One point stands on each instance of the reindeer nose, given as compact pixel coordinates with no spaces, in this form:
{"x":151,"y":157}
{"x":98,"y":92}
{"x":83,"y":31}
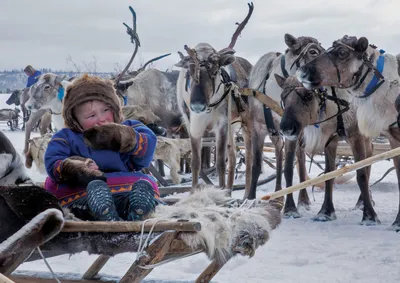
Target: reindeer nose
{"x":304,"y":72}
{"x":289,"y":128}
{"x":197,"y":107}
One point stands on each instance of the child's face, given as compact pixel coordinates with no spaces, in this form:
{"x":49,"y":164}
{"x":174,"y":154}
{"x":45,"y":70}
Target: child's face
{"x":93,"y":113}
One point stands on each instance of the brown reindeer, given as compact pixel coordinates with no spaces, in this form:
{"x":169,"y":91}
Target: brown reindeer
{"x":372,"y":79}
{"x":300,"y":51}
{"x":204,"y":91}
{"x":323,"y":118}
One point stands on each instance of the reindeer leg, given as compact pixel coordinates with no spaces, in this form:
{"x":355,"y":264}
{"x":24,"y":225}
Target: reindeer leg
{"x":357,"y":145}
{"x":174,"y":168}
{"x":196,"y":160}
{"x":257,"y":150}
{"x":304,"y":200}
{"x":278,"y":144}
{"x":34,"y":117}
{"x":327,"y":212}
{"x":290,"y":209}
{"x":221,"y":142}
{"x":367,"y":153}
{"x":394,"y":139}
{"x":248,"y":159}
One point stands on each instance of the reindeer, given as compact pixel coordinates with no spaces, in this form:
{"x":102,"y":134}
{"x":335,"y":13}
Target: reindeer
{"x":20,"y":97}
{"x":324,"y":117}
{"x":300,"y":50}
{"x":204,"y":94}
{"x":372,"y":79}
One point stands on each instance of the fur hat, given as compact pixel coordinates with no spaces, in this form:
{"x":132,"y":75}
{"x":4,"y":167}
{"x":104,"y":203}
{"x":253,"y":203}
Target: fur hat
{"x":89,"y":88}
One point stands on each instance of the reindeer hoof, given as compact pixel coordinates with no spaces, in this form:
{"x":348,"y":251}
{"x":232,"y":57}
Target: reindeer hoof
{"x":395,"y":227}
{"x":369,"y":222}
{"x":303,"y":205}
{"x":320,"y":217}
{"x":292,"y":214}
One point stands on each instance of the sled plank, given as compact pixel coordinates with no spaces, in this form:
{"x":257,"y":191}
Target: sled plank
{"x":211,"y":270}
{"x":155,"y":253}
{"x":4,"y":279}
{"x":96,"y":266}
{"x":128,"y":226}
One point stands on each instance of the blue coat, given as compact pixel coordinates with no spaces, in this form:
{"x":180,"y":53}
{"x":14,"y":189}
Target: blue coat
{"x":33,"y":79}
{"x":120,"y":167}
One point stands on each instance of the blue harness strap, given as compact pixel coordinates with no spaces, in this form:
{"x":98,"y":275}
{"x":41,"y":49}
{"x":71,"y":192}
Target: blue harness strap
{"x":60,"y":94}
{"x":125,"y":97}
{"x":374,"y":84}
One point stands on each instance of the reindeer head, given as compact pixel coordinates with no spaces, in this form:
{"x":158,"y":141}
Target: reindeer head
{"x":301,"y":50}
{"x":44,"y":91}
{"x":341,"y":65}
{"x":203,"y":64}
{"x":14,"y":98}
{"x":301,"y":106}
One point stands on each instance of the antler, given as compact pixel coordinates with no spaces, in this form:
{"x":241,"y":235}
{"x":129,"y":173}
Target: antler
{"x":193,"y":55}
{"x":134,"y":39}
{"x":241,"y":26}
{"x":150,"y":61}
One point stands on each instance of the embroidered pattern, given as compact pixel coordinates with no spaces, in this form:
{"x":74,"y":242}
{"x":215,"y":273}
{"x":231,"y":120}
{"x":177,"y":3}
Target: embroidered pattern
{"x":141,"y":146}
{"x":57,"y":169}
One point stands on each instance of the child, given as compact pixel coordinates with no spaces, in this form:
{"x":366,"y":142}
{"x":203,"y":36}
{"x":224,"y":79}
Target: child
{"x":93,"y":163}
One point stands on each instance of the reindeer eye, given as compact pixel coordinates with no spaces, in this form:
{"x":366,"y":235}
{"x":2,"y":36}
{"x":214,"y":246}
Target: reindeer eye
{"x":308,"y":95}
{"x":313,"y":52}
{"x":46,"y":87}
{"x":343,"y":53}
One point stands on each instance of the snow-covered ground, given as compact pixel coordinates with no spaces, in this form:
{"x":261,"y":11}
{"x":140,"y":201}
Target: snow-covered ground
{"x":300,"y":250}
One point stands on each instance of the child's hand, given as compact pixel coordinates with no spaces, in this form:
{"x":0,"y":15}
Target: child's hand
{"x":91,"y":164}
{"x":111,"y":136}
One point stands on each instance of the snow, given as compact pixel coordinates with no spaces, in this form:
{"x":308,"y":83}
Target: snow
{"x":300,"y":250}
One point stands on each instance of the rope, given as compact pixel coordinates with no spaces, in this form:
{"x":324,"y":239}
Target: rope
{"x":48,"y":265}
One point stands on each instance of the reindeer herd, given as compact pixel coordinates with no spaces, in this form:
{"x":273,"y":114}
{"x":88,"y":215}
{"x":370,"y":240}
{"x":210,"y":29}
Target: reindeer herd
{"x":346,"y":92}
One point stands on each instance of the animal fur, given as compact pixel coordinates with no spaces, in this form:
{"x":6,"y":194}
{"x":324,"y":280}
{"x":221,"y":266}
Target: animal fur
{"x":140,"y":113}
{"x":75,"y":171}
{"x":12,"y":170}
{"x":111,"y":136}
{"x":36,"y":150}
{"x":29,"y":216}
{"x":226,"y":229}
{"x":171,"y":151}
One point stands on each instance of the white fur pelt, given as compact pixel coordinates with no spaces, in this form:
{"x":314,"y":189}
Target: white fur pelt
{"x":226,"y":229}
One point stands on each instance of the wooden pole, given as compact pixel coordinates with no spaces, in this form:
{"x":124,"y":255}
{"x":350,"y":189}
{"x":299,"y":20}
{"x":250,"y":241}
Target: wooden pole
{"x":127,"y":226}
{"x":263,"y":98}
{"x":348,"y":168}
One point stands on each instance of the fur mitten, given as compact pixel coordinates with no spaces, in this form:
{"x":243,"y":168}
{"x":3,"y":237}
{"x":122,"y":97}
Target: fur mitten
{"x":76,"y":172}
{"x":112,"y":136}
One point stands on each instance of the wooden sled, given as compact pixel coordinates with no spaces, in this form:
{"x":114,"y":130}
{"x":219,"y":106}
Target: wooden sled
{"x":165,"y":246}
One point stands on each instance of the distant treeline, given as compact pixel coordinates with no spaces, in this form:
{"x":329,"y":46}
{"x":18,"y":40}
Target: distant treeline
{"x":13,"y":79}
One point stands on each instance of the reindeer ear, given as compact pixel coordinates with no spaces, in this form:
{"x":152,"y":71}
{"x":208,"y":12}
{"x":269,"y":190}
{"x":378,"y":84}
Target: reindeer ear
{"x":46,"y":77}
{"x":361,"y":45}
{"x":280,"y":80}
{"x":290,"y":41}
{"x":226,"y":56}
{"x":183,"y":63}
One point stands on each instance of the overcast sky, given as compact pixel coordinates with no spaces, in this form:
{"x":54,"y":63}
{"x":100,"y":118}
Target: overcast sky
{"x":45,"y":33}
